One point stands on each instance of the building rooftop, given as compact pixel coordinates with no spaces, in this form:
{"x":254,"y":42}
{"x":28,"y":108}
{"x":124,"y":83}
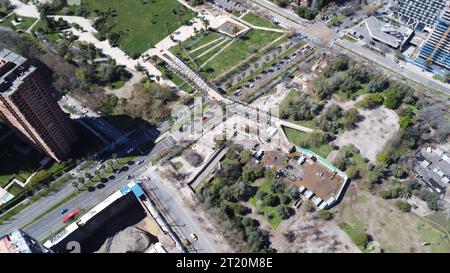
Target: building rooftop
{"x":433,"y":166}
{"x":387,"y":33}
{"x":13,"y":69}
{"x":320,"y":180}
{"x":19,"y":242}
{"x":418,"y":12}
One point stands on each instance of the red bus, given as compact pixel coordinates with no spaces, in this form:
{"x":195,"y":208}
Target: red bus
{"x":70,"y":215}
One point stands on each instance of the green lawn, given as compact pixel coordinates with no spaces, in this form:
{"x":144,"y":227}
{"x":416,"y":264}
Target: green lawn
{"x":117,"y":85}
{"x":295,"y":137}
{"x":194,"y":43}
{"x":350,"y":38}
{"x":356,"y":158}
{"x":24,"y":25}
{"x":145,"y":22}
{"x":352,"y":232}
{"x":437,"y":239}
{"x":241,"y":48}
{"x":336,"y":21}
{"x":200,"y":40}
{"x":439,"y":78}
{"x":259,"y":21}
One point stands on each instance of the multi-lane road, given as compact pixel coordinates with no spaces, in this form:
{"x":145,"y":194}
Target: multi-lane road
{"x":291,"y":19}
{"x":181,"y":216}
{"x":52,"y":220}
{"x":392,"y":66}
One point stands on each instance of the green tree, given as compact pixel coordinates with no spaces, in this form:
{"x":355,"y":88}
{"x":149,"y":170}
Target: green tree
{"x":87,"y":175}
{"x":40,"y":177}
{"x":271,"y":200}
{"x":351,"y":117}
{"x":398,"y":170}
{"x":81,"y":181}
{"x":75,"y":185}
{"x":285,"y":212}
{"x":245,"y":156}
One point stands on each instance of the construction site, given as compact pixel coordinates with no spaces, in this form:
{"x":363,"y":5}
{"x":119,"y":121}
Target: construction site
{"x":128,"y":221}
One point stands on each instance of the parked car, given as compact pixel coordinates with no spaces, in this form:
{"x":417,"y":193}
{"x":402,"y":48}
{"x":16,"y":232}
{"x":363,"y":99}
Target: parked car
{"x":130,"y":176}
{"x":194,"y":236}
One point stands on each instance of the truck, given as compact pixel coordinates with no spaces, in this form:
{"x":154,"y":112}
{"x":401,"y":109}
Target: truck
{"x":70,"y":215}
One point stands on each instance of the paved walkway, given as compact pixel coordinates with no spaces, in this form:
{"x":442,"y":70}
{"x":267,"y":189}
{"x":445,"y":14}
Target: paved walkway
{"x":126,"y":90}
{"x":25,"y":10}
{"x":121,"y":58}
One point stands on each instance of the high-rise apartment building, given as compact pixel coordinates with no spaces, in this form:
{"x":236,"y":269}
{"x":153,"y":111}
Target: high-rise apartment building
{"x":437,"y":46}
{"x":418,"y":13}
{"x":28,"y":106}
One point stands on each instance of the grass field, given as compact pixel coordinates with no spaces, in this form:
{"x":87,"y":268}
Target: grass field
{"x":242,"y":48}
{"x":258,"y":21}
{"x":145,"y":22}
{"x":380,"y":219}
{"x":192,"y":48}
{"x":194,"y":43}
{"x":296,"y":137}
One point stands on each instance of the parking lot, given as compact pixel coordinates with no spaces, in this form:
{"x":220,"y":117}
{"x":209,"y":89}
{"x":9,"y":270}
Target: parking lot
{"x":268,"y":74}
{"x":228,"y":6}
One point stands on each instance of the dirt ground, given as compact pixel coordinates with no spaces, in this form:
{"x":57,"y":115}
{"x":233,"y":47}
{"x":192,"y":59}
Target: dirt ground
{"x":377,"y":128}
{"x":312,"y":235}
{"x":322,"y":32}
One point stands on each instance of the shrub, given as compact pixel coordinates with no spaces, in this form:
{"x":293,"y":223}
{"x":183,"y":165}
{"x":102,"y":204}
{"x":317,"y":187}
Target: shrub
{"x":385,"y":194}
{"x":403,"y":205}
{"x":245,"y":156}
{"x":361,"y":239}
{"x":352,"y":172}
{"x":325,"y":215}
